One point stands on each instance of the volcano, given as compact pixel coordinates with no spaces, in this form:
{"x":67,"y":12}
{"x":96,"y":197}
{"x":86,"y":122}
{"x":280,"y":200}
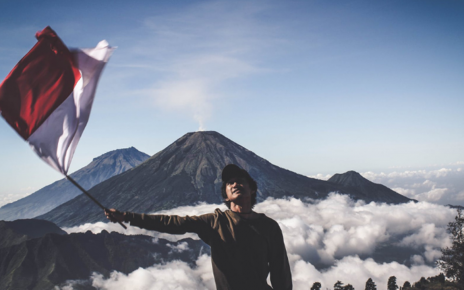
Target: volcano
{"x":188,"y":172}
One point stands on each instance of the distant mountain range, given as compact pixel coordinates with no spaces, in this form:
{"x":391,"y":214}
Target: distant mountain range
{"x":59,"y":192}
{"x":16,"y":232}
{"x":36,"y":254}
{"x":188,"y":171}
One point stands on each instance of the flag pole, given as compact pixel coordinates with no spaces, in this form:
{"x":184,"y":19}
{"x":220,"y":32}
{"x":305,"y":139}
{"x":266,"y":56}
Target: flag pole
{"x":91,"y":197}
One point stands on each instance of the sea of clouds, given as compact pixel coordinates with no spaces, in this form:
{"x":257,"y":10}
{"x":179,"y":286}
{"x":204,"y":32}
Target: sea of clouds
{"x":326,"y":240}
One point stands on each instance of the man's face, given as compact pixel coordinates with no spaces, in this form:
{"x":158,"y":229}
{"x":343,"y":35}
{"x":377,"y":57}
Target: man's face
{"x":237,"y":188}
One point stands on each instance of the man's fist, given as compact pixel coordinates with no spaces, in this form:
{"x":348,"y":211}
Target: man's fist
{"x":114,"y":215}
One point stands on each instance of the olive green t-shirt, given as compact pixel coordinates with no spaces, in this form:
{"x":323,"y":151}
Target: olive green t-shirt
{"x":243,"y":251}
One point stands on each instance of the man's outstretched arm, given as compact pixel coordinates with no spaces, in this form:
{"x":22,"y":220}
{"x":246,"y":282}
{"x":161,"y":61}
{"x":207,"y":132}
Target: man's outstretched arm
{"x":171,"y":224}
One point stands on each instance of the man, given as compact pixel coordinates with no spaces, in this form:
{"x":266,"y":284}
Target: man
{"x":245,"y":246}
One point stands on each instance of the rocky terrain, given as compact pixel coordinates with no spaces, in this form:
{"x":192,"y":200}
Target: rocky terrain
{"x":38,"y":255}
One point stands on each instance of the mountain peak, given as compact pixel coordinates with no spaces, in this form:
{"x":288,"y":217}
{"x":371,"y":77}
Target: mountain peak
{"x":209,"y":132}
{"x":101,"y":168}
{"x":352,"y":172}
{"x":199,"y":137}
{"x":349,"y":178}
{"x":131,"y":151}
{"x":370,"y":190}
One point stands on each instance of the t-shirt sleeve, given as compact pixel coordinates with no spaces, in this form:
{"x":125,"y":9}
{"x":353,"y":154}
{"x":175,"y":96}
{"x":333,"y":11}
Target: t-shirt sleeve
{"x":281,"y":277}
{"x":171,"y":224}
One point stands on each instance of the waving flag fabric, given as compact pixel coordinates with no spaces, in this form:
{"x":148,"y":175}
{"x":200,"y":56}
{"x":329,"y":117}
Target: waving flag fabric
{"x":48,"y":96}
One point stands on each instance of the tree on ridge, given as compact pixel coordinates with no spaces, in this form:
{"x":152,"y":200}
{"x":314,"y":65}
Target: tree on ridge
{"x":452,"y":260}
{"x":370,"y":285}
{"x":316,"y":286}
{"x":338,"y":285}
{"x":348,"y":287}
{"x":392,"y":283}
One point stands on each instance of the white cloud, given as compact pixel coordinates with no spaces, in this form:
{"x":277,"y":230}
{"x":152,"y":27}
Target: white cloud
{"x":179,"y":247}
{"x":185,"y":96}
{"x":325,"y":242}
{"x":172,"y":275}
{"x":200,"y":208}
{"x":408,"y":174}
{"x":7,"y":198}
{"x":460,"y":196}
{"x":428,"y":235}
{"x":321,"y":176}
{"x":336,"y":227}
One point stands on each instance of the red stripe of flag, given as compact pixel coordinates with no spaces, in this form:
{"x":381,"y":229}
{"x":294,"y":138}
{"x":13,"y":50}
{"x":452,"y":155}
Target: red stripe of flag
{"x":38,"y":84}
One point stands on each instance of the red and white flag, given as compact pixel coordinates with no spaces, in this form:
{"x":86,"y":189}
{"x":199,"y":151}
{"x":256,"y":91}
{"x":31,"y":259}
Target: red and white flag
{"x":48,"y":95}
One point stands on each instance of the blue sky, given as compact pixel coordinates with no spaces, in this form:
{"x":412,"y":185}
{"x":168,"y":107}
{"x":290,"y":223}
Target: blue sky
{"x":312,"y":86}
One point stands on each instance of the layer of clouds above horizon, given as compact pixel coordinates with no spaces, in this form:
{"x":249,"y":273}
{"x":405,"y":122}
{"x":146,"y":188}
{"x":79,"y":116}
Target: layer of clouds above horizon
{"x":327,"y":240}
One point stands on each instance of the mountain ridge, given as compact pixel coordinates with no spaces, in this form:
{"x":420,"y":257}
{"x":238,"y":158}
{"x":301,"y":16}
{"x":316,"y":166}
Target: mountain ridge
{"x":353,"y":179}
{"x":186,"y":172}
{"x":50,"y":260}
{"x":18,"y":231}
